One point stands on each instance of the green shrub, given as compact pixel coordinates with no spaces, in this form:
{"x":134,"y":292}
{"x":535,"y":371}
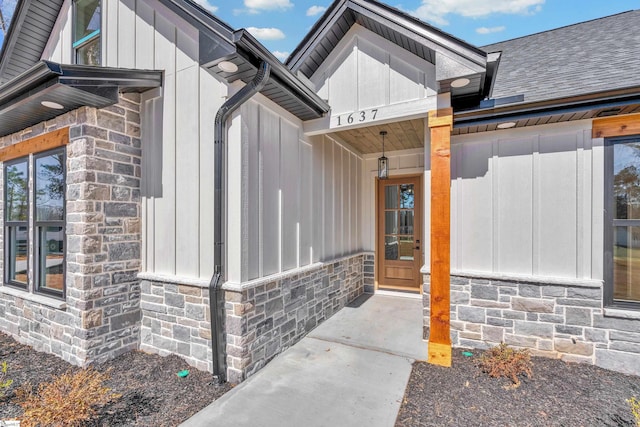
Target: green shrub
{"x":635,"y":409}
{"x":504,"y":361}
{"x":5,"y":382}
{"x":68,"y":400}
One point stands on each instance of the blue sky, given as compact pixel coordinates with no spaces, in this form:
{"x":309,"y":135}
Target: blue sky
{"x":281,"y":24}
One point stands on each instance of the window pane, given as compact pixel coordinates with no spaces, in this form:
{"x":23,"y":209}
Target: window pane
{"x":17,"y":254}
{"x":626,"y":264}
{"x":406,"y":222}
{"x":51,"y":258}
{"x":406,"y":248}
{"x":406,"y":196}
{"x":391,"y":248}
{"x":89,"y":53}
{"x":87,"y":18}
{"x":626,"y":181}
{"x":391,"y":197}
{"x":16,"y":178}
{"x":391,"y":222}
{"x":50,"y":187}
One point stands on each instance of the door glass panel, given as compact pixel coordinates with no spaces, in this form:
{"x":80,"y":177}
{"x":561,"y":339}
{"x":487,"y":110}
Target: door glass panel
{"x":406,"y":222}
{"x":391,"y":197}
{"x":626,"y":264}
{"x":390,"y":222}
{"x":406,"y":196}
{"x":406,"y":248}
{"x":391,"y":248}
{"x":626,"y":180}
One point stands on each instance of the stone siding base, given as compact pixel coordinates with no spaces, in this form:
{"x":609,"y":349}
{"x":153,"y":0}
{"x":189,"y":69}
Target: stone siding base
{"x":176,"y":320}
{"x":270,"y":315}
{"x":564,"y":321}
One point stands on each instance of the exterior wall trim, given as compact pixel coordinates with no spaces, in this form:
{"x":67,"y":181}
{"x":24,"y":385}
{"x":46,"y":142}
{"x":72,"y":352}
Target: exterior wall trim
{"x":33,"y":297}
{"x":174,"y":279}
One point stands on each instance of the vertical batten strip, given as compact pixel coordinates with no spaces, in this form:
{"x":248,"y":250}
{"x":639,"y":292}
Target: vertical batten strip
{"x":441,"y":125}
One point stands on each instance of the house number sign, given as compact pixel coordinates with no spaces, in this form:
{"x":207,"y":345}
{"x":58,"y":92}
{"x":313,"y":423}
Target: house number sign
{"x":357,"y":117}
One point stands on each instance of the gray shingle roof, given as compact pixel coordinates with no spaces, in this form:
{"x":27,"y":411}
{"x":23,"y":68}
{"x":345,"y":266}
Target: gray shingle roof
{"x":589,"y":57}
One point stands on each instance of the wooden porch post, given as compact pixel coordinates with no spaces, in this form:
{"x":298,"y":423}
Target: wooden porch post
{"x":441,"y":124}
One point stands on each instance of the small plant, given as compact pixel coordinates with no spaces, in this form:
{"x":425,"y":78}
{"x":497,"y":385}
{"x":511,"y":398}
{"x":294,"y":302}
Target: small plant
{"x":5,"y":382}
{"x":68,"y":400}
{"x":635,"y":409}
{"x":504,"y":361}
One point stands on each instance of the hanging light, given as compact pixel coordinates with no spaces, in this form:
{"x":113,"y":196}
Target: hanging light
{"x":383,"y":162}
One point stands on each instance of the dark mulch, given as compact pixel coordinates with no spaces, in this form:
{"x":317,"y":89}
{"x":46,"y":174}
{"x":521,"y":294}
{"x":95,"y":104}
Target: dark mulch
{"x":152,"y":393}
{"x":559,"y":394}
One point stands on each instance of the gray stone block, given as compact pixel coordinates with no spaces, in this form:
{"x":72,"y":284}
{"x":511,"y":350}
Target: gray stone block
{"x":532,"y":305}
{"x":624,"y":336}
{"x":569,"y":330}
{"x":125,"y":320}
{"x":174,"y":300}
{"x":584,"y":293}
{"x":493,"y":334}
{"x":628,"y":347}
{"x":529,"y":291}
{"x":520,"y":341}
{"x":471,"y":314}
{"x":628,"y":363}
{"x":614,"y":323}
{"x":554,"y":291}
{"x":578,"y":316}
{"x":542,"y":330}
{"x":181,"y":333}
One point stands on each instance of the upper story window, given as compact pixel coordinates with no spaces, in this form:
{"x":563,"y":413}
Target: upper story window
{"x":86,"y":33}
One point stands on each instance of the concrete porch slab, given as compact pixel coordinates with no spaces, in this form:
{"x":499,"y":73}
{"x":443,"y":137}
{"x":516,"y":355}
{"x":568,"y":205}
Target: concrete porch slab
{"x":348,"y":372}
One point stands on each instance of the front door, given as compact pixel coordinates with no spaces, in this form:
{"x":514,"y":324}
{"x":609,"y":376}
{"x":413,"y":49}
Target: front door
{"x":399,"y":235}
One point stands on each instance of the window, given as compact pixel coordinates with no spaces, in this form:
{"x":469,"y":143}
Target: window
{"x":16,"y":202}
{"x":86,"y":34}
{"x":622,"y":236}
{"x":47,"y":217}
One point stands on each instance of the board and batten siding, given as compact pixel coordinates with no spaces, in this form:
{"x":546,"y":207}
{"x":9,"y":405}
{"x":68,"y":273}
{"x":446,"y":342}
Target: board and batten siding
{"x":178,"y":222}
{"x":526,"y":202}
{"x":366,"y":72}
{"x":299,"y":196}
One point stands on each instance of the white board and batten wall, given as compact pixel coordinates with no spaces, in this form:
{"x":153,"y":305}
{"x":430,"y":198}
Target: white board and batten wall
{"x":144,"y":34}
{"x":299,"y":196}
{"x":528,"y":202}
{"x":369,"y":80}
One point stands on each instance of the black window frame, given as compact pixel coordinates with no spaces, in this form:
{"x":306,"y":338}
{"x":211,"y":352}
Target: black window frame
{"x":37,"y":267}
{"x":75,"y":45}
{"x":7,"y":224}
{"x":609,"y":218}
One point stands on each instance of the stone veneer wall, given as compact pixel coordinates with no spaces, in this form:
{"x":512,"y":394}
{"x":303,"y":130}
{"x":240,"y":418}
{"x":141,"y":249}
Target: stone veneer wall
{"x":176,"y":320}
{"x":269,"y":315}
{"x":99,"y":318}
{"x":564,"y":320}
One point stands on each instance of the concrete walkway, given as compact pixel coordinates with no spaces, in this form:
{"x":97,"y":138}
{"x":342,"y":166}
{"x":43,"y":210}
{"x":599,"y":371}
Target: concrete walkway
{"x":350,"y":371}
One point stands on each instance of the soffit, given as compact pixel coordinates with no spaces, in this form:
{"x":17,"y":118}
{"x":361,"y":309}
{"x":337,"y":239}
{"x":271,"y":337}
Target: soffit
{"x":400,"y":136}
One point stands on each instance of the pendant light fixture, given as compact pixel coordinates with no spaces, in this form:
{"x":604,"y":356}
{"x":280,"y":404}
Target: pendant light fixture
{"x":383,"y":162}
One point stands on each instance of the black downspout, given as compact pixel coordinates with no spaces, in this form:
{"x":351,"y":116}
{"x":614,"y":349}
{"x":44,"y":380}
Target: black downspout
{"x":216,"y":296}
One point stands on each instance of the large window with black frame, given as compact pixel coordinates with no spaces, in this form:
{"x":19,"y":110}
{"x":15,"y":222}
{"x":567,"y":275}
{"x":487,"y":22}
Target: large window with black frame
{"x":47,"y":216}
{"x":622,"y":239}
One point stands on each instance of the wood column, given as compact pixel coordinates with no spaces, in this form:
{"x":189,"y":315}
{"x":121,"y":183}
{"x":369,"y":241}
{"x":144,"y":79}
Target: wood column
{"x":441,"y":124}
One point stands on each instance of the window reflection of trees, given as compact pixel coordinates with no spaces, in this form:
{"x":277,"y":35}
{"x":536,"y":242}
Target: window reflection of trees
{"x":50,"y":187}
{"x":17,"y":192}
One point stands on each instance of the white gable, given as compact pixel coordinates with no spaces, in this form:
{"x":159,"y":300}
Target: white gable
{"x":367,"y":72}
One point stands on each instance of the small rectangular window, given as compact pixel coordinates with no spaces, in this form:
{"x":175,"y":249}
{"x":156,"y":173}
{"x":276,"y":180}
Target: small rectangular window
{"x":16,"y":202}
{"x":49,"y":222}
{"x":86,"y":34}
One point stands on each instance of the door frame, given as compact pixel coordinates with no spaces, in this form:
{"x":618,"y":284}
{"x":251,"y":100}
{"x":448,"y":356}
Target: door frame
{"x":379,"y":235}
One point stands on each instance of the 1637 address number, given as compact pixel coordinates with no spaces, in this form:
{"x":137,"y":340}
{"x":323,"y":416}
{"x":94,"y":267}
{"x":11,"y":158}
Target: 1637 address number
{"x":357,"y":117}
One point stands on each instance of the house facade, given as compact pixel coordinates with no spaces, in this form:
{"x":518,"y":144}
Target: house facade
{"x":170,"y":186}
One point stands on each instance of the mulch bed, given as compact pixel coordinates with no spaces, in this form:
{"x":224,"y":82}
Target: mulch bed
{"x":152,"y":393}
{"x":559,"y":394}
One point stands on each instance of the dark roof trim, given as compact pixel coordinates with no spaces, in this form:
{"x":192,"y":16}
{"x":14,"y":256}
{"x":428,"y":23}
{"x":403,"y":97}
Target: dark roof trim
{"x":72,"y":86}
{"x":244,"y":40}
{"x":395,"y":19}
{"x":607,"y":99}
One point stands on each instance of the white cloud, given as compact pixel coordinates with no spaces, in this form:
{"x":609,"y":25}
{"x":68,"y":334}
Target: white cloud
{"x":205,"y":3}
{"x":255,"y":6}
{"x":315,"y":10}
{"x":436,"y":10}
{"x":485,"y":30}
{"x":266,"y":33}
{"x":282,"y":56}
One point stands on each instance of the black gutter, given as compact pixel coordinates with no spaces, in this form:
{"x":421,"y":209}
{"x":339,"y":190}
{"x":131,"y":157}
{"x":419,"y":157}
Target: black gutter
{"x":216,"y":297}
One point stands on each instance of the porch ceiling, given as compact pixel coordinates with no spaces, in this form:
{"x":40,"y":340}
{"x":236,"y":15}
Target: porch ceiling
{"x":400,"y":136}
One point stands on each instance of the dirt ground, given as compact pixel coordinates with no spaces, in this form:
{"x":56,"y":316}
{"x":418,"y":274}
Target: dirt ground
{"x":559,"y":394}
{"x":152,"y":393}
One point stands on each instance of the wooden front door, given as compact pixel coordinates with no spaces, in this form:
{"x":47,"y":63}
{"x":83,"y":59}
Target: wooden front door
{"x":399,"y":234}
